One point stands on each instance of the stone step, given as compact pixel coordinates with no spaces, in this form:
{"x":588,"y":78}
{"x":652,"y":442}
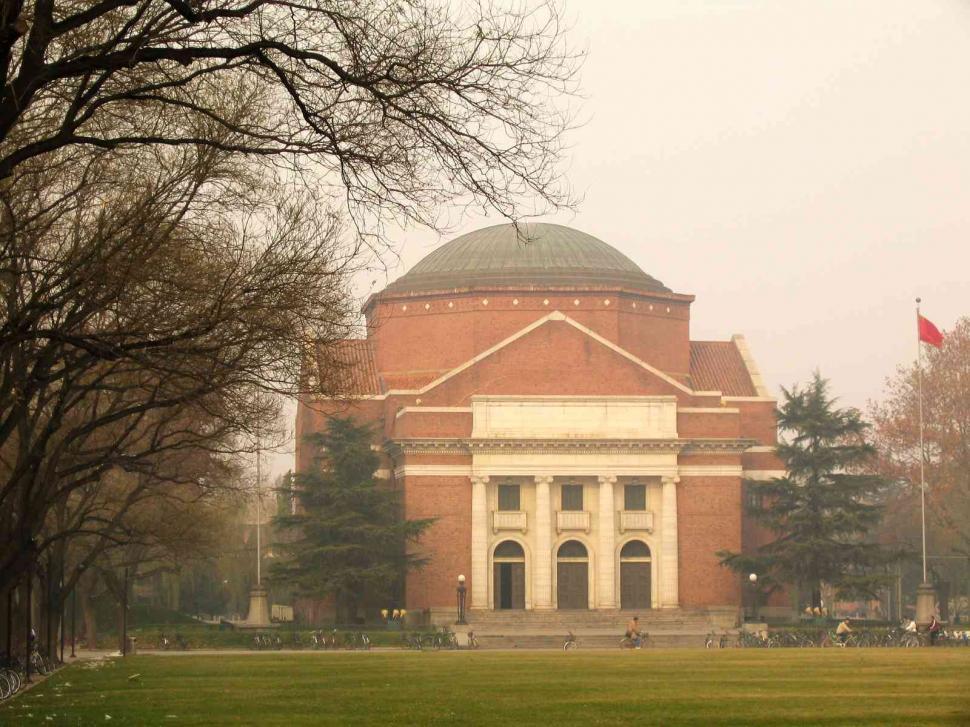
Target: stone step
{"x":564,"y":619}
{"x":602,"y":641}
{"x":590,"y":613}
{"x":578,"y":619}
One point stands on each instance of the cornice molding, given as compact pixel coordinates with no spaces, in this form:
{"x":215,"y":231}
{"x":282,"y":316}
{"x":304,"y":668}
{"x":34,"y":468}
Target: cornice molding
{"x":468,"y":446}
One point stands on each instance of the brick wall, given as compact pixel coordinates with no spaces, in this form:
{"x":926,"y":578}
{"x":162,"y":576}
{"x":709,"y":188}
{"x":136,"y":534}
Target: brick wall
{"x":453,"y":328}
{"x":447,"y":541}
{"x":552,"y":359}
{"x":709,"y":519}
{"x":719,"y":425}
{"x":312,"y":417}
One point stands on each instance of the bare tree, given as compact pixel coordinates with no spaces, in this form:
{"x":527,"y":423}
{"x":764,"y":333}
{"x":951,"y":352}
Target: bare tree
{"x":146,"y":300}
{"x":946,"y":456}
{"x":406,"y":102}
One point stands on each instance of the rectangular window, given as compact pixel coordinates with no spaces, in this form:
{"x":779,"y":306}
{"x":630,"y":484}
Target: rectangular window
{"x":508,"y":497}
{"x":572,"y":497}
{"x":635,"y":497}
{"x":753,"y":498}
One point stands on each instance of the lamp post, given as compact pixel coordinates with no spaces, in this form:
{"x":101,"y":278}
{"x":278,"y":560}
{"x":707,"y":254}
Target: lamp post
{"x":753,"y":579}
{"x":461,"y":600}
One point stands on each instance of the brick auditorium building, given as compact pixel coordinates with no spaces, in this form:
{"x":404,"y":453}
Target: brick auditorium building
{"x":545,"y":402}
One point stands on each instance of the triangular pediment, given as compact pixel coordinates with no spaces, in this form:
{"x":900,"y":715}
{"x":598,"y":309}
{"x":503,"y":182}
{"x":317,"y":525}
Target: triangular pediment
{"x":553,"y":355}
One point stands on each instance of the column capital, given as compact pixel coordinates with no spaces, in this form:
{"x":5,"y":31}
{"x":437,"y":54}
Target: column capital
{"x":543,"y":479}
{"x":479,"y":479}
{"x":670,"y":479}
{"x":607,"y":479}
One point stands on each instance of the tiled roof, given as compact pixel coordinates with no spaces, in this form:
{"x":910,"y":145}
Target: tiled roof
{"x":718,"y":366}
{"x":350,"y":365}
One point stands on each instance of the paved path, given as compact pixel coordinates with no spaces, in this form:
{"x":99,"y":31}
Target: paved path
{"x":376,"y":649}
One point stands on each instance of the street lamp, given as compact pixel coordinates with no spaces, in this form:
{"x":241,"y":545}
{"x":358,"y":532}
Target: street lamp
{"x":753,"y":579}
{"x":461,"y":600}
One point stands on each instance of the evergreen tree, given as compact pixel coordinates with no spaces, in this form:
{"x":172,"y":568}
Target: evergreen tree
{"x":825,"y":513}
{"x":348,"y":537}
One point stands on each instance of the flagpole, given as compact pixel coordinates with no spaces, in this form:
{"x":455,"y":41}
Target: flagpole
{"x":922,"y":450}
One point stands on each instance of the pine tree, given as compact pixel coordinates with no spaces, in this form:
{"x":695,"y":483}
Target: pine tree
{"x":825,"y":513}
{"x":348,"y":537}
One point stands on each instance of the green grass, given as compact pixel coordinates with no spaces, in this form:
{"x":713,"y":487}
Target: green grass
{"x":753,"y":687}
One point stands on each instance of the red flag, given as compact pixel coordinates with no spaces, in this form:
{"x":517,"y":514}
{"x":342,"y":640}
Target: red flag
{"x":928,"y":333}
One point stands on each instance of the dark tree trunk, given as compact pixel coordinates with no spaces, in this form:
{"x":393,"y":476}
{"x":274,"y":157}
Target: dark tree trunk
{"x":90,"y":620}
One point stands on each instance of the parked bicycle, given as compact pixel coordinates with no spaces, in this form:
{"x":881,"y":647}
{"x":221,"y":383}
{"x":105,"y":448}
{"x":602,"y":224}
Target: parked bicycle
{"x":713,"y":640}
{"x":10,"y":676}
{"x":448,"y":639}
{"x":354,"y":640}
{"x":762,"y":640}
{"x":570,"y":643}
{"x":176,"y":643}
{"x":472,"y":640}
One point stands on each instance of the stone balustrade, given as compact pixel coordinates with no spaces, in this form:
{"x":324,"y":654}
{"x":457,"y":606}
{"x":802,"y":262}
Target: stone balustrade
{"x":509,"y":520}
{"x":572,"y":520}
{"x":636,"y":520}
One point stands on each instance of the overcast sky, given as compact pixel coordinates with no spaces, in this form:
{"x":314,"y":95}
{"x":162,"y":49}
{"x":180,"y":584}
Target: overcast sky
{"x":803,"y":168}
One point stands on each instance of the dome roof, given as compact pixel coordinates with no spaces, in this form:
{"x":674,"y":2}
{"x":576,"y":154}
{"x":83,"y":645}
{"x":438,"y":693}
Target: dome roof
{"x":545,"y":255}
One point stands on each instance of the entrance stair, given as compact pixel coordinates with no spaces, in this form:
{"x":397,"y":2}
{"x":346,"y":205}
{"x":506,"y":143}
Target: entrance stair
{"x":517,"y":629}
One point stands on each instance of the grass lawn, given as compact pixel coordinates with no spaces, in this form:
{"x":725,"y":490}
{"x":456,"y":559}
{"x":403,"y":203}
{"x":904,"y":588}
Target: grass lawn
{"x":797,"y":686}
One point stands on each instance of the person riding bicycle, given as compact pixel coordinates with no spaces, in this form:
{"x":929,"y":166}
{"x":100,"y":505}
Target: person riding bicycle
{"x":633,"y":632}
{"x":934,"y":630}
{"x":843,"y":631}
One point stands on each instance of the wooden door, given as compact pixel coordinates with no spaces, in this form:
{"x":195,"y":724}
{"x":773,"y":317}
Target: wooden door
{"x":517,"y":583}
{"x":634,"y":585}
{"x":572,"y":586}
{"x":509,"y":586}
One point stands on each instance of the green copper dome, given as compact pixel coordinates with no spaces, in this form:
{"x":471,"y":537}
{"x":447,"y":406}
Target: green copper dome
{"x":542,"y":256}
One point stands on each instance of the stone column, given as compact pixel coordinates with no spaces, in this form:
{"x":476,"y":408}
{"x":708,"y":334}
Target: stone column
{"x":605,"y":570}
{"x":479,"y":542}
{"x":669,"y":573}
{"x":542,"y":574}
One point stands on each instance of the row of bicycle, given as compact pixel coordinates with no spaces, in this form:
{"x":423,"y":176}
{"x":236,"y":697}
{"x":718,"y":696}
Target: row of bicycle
{"x":894,"y":637}
{"x":13,"y":674}
{"x":435,"y":640}
{"x":317,"y":640}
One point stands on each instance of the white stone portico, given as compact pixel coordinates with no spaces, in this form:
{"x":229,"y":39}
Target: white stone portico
{"x":600,"y":444}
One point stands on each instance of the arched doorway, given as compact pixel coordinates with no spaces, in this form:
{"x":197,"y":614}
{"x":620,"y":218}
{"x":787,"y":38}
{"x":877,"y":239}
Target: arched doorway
{"x":635,"y":563}
{"x":572,"y":575}
{"x":509,"y":575}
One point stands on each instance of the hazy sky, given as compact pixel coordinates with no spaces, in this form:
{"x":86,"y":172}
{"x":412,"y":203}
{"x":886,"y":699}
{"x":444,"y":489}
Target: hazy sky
{"x":803,"y":168}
